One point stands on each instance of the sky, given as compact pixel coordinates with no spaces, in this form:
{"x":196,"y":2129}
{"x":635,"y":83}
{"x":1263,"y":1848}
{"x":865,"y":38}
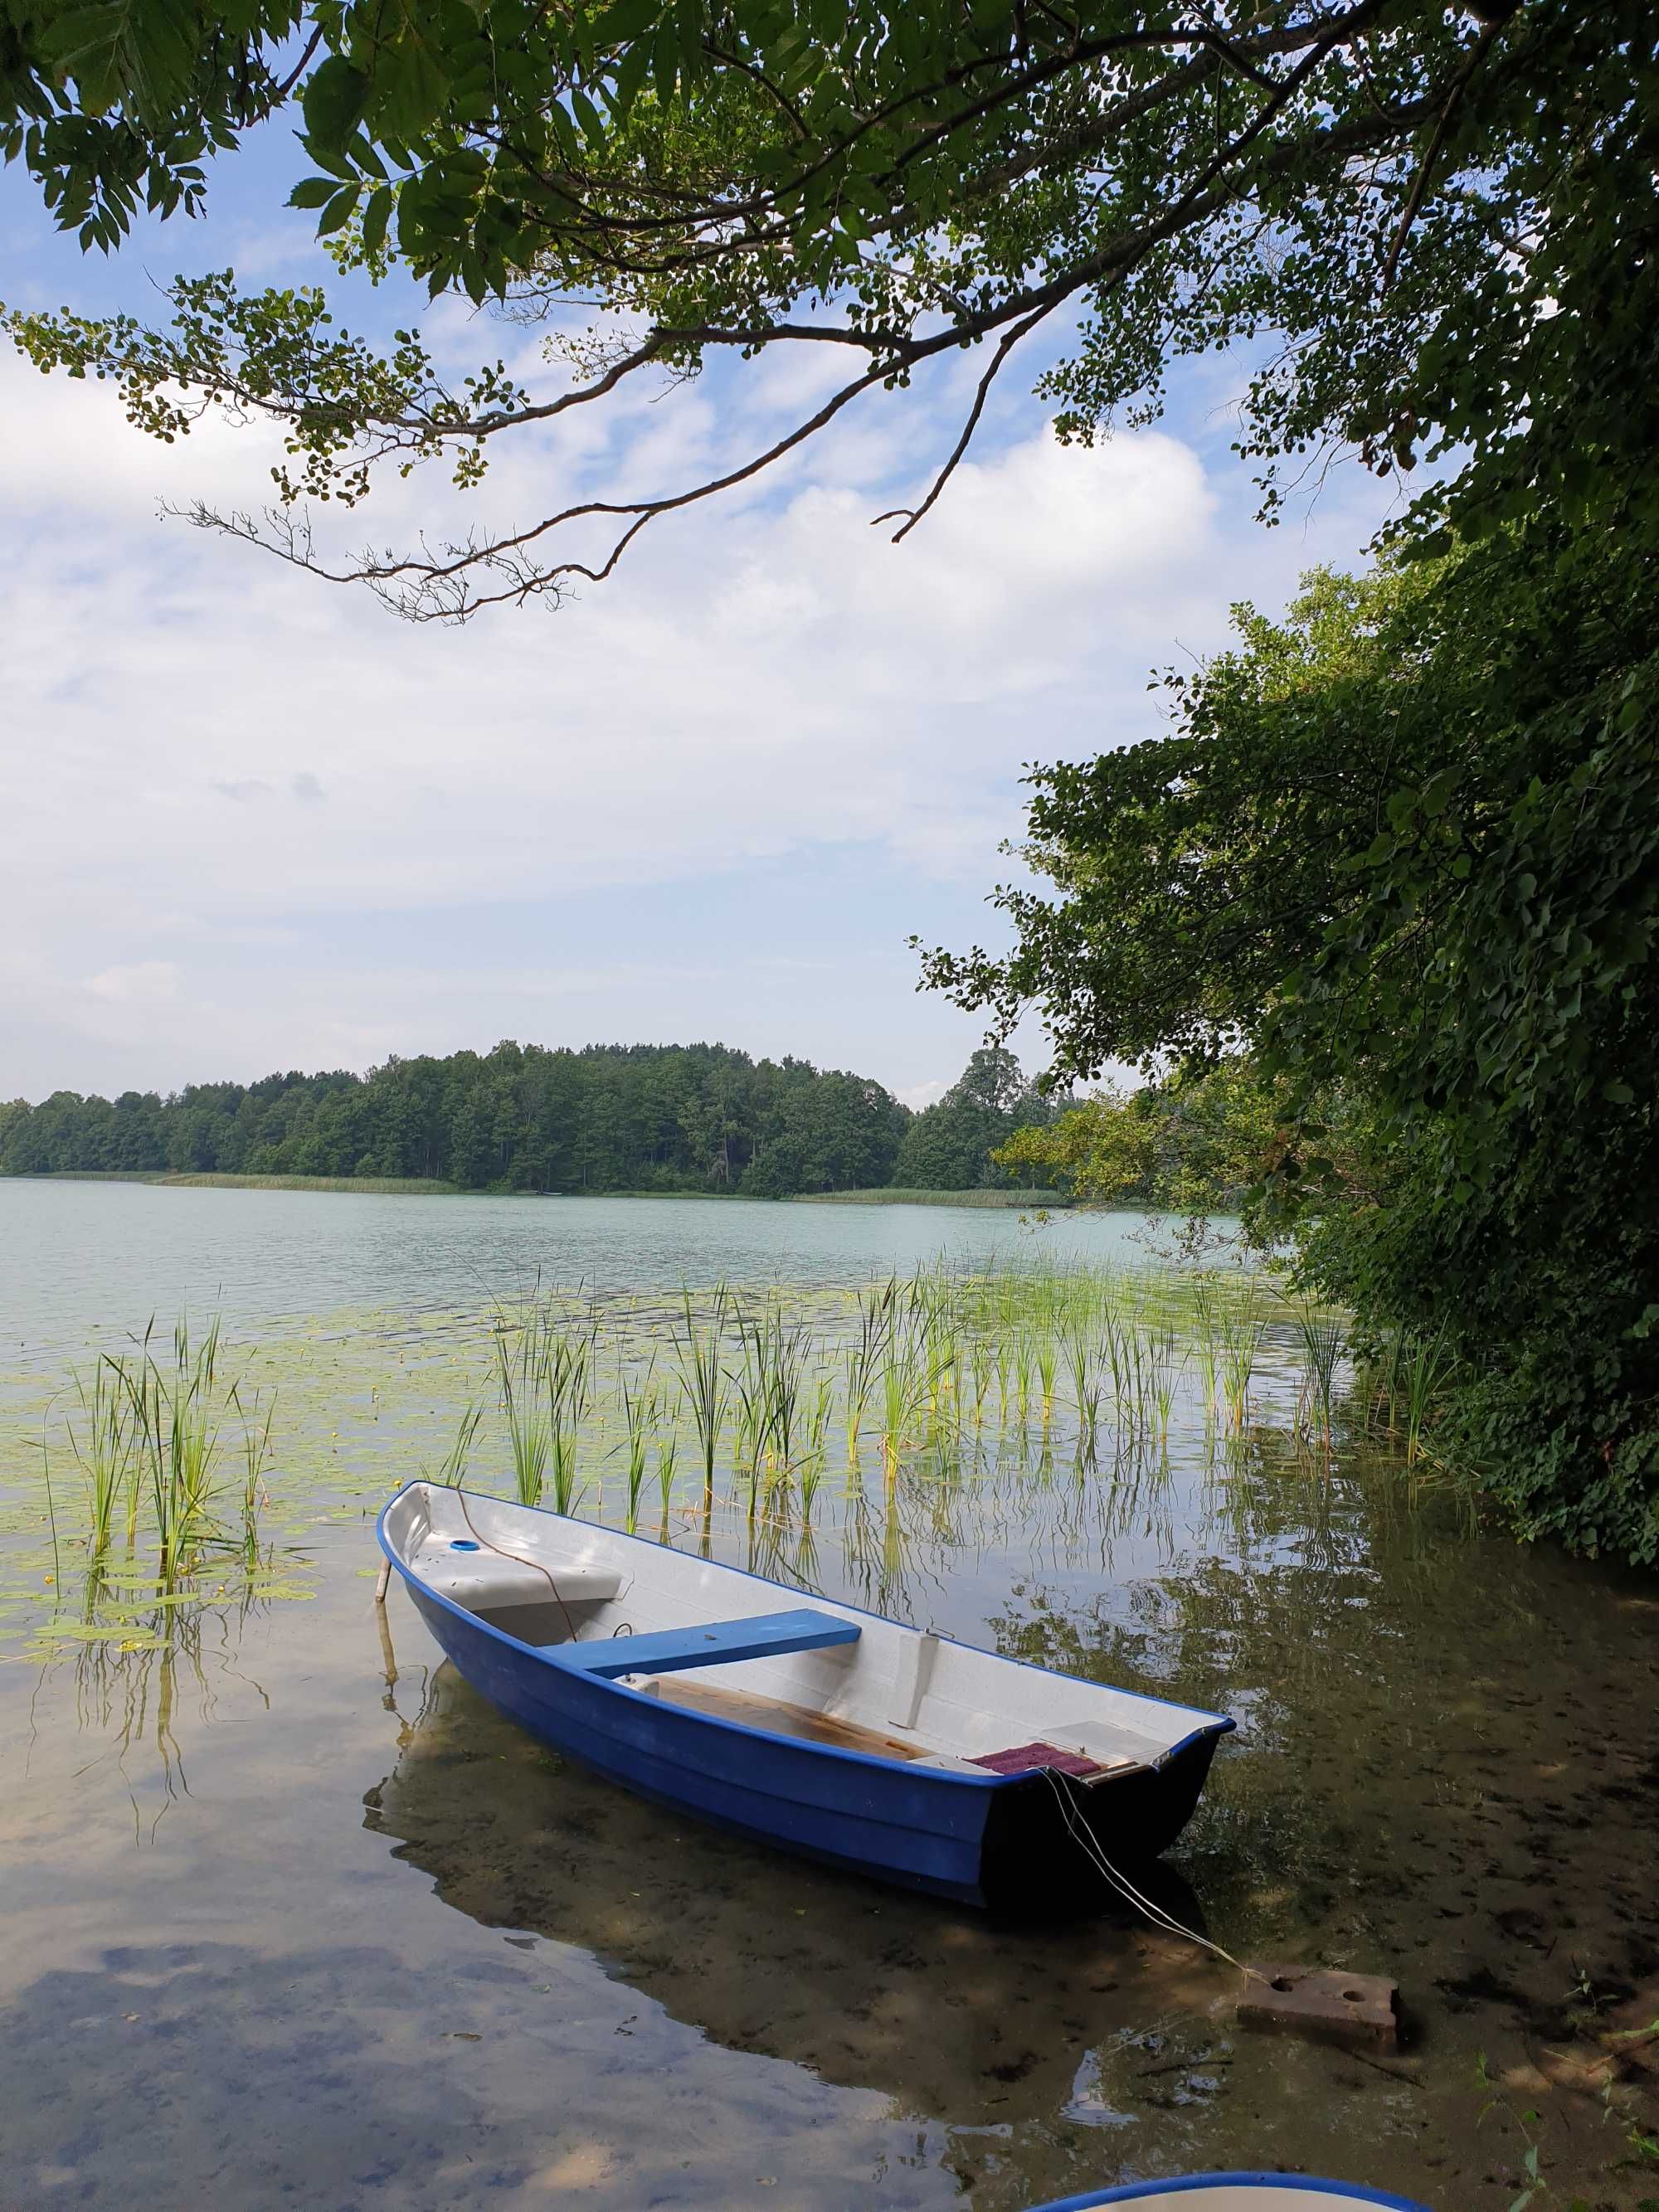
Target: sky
{"x":250,"y":820}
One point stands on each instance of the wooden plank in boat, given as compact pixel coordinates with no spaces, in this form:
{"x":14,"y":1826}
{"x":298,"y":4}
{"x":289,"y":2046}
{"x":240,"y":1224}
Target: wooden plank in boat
{"x":779,"y":1717}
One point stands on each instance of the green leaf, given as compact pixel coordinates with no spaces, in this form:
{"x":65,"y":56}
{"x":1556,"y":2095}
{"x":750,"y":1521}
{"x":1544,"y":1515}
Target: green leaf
{"x":339,"y":210}
{"x":589,"y":116}
{"x":313,"y":191}
{"x":624,"y":22}
{"x":377,"y":217}
{"x":336,"y":96}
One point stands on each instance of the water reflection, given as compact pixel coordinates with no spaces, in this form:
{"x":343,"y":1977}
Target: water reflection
{"x":955,"y":2016}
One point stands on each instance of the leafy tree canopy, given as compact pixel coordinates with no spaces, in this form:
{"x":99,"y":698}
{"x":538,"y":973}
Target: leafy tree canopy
{"x":950,"y":1145}
{"x":610,"y":1117}
{"x":1404,"y":846}
{"x":1438,"y":222}
{"x":1194,"y":1145}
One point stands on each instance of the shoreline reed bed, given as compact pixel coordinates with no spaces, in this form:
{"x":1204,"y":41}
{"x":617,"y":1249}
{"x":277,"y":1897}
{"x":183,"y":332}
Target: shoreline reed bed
{"x":149,"y":1434}
{"x":964,"y":1381}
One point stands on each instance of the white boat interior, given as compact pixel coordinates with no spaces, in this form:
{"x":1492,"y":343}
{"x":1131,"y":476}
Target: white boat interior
{"x":856,"y":1681}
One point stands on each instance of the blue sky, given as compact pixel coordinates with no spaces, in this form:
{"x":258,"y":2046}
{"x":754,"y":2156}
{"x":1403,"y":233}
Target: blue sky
{"x":249,"y":820}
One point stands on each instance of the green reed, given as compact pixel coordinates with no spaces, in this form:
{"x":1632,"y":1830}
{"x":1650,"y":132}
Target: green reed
{"x":700,"y":1355}
{"x":568,"y":1383}
{"x":103,"y":1444}
{"x":175,"y":1410}
{"x":639,"y":1412}
{"x":1241,"y":1337}
{"x":1083,"y":1361}
{"x":1425,"y":1362}
{"x":521,"y":1356}
{"x":1323,"y":1346}
{"x":450,"y":1470}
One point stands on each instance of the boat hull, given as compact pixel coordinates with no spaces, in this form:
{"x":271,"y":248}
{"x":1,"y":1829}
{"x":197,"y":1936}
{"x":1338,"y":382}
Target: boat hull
{"x":1001,"y":1843}
{"x":1239,"y":2192}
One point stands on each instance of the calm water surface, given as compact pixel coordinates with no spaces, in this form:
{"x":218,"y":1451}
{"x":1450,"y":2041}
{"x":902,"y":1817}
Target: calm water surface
{"x":292,"y":1918}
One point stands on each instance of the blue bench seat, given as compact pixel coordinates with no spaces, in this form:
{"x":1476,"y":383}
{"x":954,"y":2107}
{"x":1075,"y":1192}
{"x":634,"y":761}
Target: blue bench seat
{"x":708,"y":1644}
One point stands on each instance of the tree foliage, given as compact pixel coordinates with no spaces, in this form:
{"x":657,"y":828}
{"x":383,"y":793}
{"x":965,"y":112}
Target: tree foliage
{"x":952,"y":1144}
{"x":1437,"y":222}
{"x":1405,"y":846}
{"x":1196,"y":1144}
{"x":610,"y":1117}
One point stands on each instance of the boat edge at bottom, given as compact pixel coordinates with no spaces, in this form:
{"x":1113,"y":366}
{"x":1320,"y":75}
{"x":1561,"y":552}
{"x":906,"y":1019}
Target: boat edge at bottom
{"x":1137,"y":2192}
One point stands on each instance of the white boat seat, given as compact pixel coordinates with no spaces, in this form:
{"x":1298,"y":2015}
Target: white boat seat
{"x":484,"y":1581}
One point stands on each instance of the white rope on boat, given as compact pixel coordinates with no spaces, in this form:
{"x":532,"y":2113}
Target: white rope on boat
{"x":1089,"y":1845}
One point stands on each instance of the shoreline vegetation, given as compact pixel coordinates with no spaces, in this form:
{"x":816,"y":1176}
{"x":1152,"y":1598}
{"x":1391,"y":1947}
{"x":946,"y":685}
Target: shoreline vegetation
{"x":1025,"y":1200}
{"x":168,"y":1471}
{"x":417,"y":1187}
{"x":698,"y":1119}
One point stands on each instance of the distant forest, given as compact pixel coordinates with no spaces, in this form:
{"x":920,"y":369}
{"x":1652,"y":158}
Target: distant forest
{"x":699,"y":1117}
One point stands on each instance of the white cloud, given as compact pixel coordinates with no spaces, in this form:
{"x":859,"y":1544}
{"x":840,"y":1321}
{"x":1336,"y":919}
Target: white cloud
{"x":208,"y":760}
{"x":146,"y":982}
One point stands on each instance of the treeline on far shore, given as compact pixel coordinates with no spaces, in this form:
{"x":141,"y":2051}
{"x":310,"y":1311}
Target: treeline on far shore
{"x":700,"y":1117}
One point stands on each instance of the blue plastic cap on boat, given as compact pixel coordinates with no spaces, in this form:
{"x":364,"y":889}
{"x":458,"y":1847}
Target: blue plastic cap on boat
{"x":462,"y":1544}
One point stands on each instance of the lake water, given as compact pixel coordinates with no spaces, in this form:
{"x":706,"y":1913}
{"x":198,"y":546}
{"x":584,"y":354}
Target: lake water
{"x":292,"y":1918}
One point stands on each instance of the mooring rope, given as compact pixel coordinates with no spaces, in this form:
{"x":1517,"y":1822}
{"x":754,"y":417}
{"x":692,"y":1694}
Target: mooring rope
{"x":1089,"y":1844}
{"x":489,"y":1544}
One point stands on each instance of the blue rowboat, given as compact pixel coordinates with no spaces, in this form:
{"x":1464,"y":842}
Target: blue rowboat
{"x":1240,"y":2192}
{"x":829,"y":1731}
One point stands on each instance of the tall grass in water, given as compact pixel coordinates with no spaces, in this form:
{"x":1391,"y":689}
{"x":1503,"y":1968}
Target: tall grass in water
{"x":174,"y":1414}
{"x":450,"y":1470}
{"x":1083,"y":1359}
{"x":1208,"y":1340}
{"x":668,"y":1453}
{"x":520,"y":1367}
{"x":1423,"y":1364}
{"x":176,"y":1434}
{"x":567,"y":1378}
{"x":900,"y":1396}
{"x":877,"y":1309}
{"x":255,"y":1451}
{"x":767,"y":1383}
{"x":700,"y":1355}
{"x":1322,"y":1348}
{"x":1242,"y":1336}
{"x":103,"y":1443}
{"x":1163,"y":1376}
{"x":639,"y":1412}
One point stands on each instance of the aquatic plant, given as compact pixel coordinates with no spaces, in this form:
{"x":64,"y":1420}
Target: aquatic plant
{"x":520,"y":1366}
{"x":167,"y":1435}
{"x":1424,"y":1364}
{"x":1322,"y":1347}
{"x":567,"y":1378}
{"x":451,"y":1469}
{"x":1242,"y":1336}
{"x":668,"y":1452}
{"x":639,"y":1410}
{"x":700,"y":1355}
{"x":1083,"y":1359}
{"x":102,"y":1443}
{"x":175,"y":1437}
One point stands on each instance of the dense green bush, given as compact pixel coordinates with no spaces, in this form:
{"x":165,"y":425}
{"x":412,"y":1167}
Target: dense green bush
{"x":1405,"y":847}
